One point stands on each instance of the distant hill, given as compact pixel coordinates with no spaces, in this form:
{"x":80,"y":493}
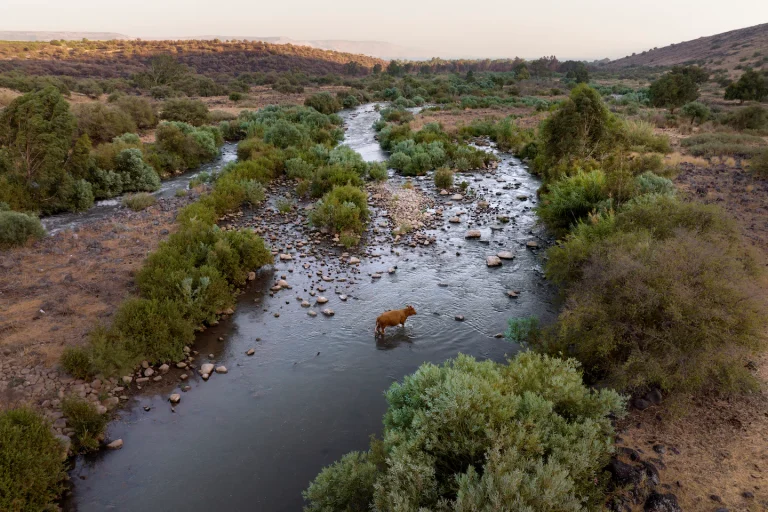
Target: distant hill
{"x":379,"y":49}
{"x":729,"y":51}
{"x":20,"y":35}
{"x":123,"y":58}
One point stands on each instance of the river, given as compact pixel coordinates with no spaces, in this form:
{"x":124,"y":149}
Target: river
{"x":254,"y":438}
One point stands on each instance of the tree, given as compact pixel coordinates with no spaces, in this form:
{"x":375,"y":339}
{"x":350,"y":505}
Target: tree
{"x":161,"y":70}
{"x":377,"y":69}
{"x":578,"y":72}
{"x":696,"y":111}
{"x":577,"y":128}
{"x":750,"y":86}
{"x":673,"y":90}
{"x":37,"y":131}
{"x":521,"y":71}
{"x":394,"y":68}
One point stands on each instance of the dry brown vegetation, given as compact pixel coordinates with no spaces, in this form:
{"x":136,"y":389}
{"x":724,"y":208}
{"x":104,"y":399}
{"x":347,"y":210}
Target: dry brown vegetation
{"x":52,"y":293}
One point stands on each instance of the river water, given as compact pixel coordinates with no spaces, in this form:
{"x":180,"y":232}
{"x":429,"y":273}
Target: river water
{"x":254,"y":438}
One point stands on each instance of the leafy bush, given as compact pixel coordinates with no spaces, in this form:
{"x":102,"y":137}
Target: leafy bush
{"x":378,"y":172}
{"x":86,"y":421}
{"x":76,"y":362}
{"x":19,"y":228}
{"x":81,"y":196}
{"x":141,"y":111}
{"x":193,"y":112}
{"x":101,"y":122}
{"x":719,"y":144}
{"x":571,"y":199}
{"x":753,"y":117}
{"x":696,"y":111}
{"x":323,"y":102}
{"x":472,"y":435}
{"x":31,"y":462}
{"x":640,"y":136}
{"x":661,"y":295}
{"x":650,"y":183}
{"x":254,"y":192}
{"x":136,"y":175}
{"x":444,"y":178}
{"x":138,"y":202}
{"x":343,"y":209}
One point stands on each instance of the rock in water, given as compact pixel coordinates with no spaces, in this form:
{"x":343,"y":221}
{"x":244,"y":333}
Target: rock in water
{"x":354,"y":261}
{"x":174,"y":398}
{"x":493,"y":261}
{"x":459,"y":318}
{"x":329,"y":312}
{"x":506,"y":255}
{"x":532,"y":245}
{"x":250,"y":352}
{"x":473,"y":233}
{"x":116,"y":444}
{"x":221,"y":369}
{"x":207,"y":368}
{"x":322,"y":300}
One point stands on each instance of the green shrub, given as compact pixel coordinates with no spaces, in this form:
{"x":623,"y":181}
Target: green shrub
{"x":640,"y":135}
{"x":343,"y":209}
{"x":326,"y":178}
{"x":572,"y":199}
{"x":323,"y":102}
{"x":153,"y":329}
{"x":759,"y":164}
{"x":77,"y":362}
{"x":650,"y":183}
{"x":141,"y":111}
{"x":443,"y":178}
{"x":378,"y":172}
{"x":102,"y":122}
{"x":19,"y":228}
{"x":185,"y":110}
{"x":31,"y":462}
{"x":284,"y":205}
{"x":659,"y":295}
{"x":81,"y":197}
{"x":722,"y":144}
{"x":472,"y":435}
{"x":523,"y":330}
{"x":696,"y":111}
{"x":138,"y":202}
{"x":753,"y":117}
{"x":254,"y":192}
{"x":136,"y":175}
{"x":85,"y":420}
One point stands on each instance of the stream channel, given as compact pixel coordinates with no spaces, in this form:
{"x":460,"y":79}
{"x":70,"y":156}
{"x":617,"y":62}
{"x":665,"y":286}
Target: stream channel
{"x":253,"y":439}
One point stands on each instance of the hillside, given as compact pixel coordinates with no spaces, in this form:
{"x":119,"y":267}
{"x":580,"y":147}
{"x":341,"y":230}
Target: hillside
{"x":38,"y":35}
{"x":122,"y":58}
{"x":728,"y":51}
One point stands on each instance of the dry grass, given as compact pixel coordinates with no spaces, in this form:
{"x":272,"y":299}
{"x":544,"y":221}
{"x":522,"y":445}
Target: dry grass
{"x":453,"y":119}
{"x":55,"y":291}
{"x":675,"y":159}
{"x":261,"y":96}
{"x":7,"y":96}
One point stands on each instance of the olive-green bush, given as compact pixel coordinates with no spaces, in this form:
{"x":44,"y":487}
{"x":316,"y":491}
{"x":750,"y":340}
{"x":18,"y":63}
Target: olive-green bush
{"x":19,"y":228}
{"x":470,"y":435}
{"x":85,"y":420}
{"x":31,"y":462}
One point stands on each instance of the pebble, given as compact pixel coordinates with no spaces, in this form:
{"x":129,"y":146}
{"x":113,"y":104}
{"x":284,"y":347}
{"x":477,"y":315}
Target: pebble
{"x":506,"y":255}
{"x":175,"y":398}
{"x":473,"y":233}
{"x":459,"y":318}
{"x":329,"y":312}
{"x":221,"y":369}
{"x":322,"y":300}
{"x":250,"y":352}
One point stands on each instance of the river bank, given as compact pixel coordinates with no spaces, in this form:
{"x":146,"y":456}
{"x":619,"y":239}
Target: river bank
{"x":255,"y":436}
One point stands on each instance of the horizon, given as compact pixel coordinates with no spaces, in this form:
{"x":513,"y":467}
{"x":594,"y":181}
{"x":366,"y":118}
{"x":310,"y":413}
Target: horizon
{"x":511,"y":31}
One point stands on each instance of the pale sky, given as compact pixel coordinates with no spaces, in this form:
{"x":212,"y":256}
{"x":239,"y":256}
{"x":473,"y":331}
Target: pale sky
{"x":491,"y":28}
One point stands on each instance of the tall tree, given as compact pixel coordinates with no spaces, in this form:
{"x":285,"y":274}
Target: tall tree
{"x":673,"y":90}
{"x":750,"y":86}
{"x":38,"y":129}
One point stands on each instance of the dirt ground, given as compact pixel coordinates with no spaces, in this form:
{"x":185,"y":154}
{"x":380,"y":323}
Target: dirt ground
{"x":53,"y":292}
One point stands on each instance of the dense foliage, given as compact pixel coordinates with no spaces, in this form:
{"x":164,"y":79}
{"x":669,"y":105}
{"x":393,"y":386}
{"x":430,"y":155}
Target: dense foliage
{"x":469,"y":435}
{"x":31,"y":462}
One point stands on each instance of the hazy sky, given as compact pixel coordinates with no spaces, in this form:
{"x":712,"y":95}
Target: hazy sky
{"x":492,"y":28}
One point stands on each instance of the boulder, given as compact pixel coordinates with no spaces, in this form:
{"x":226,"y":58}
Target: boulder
{"x":473,"y":233}
{"x":221,"y":369}
{"x":506,"y":255}
{"x":206,"y":368}
{"x":354,"y":260}
{"x":657,"y":502}
{"x":174,"y":398}
{"x":164,"y":368}
{"x":493,"y":261}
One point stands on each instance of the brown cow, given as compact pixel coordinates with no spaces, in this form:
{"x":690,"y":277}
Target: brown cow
{"x":393,"y":318}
